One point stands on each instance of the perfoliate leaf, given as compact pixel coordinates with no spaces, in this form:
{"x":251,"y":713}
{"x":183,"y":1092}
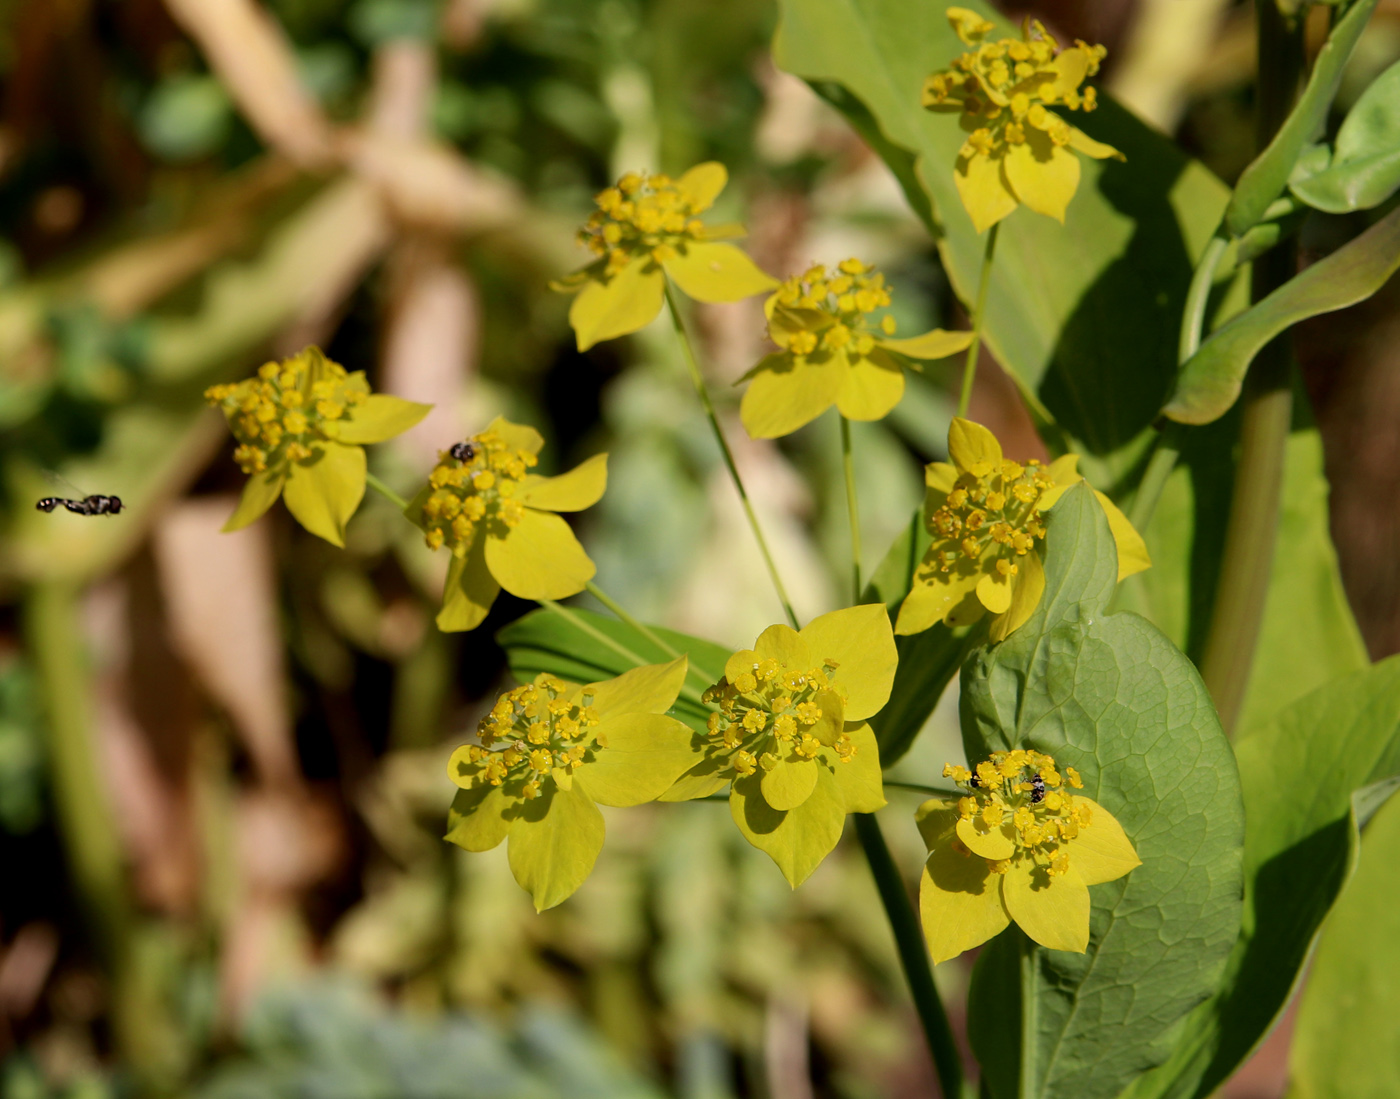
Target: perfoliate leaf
{"x":1110,"y":696}
{"x":259,"y":494}
{"x":380,"y":417}
{"x":797,"y":840}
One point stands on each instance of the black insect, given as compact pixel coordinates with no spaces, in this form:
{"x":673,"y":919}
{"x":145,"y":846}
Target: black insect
{"x":463,"y":452}
{"x":974,"y":781}
{"x":88,"y":505}
{"x":1037,"y":790}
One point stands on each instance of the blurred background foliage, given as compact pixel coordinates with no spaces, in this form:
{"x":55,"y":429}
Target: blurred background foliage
{"x":222,"y":756}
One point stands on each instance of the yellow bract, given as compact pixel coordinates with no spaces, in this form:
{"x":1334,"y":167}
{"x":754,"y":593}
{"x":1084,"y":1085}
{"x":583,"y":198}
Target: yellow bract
{"x":790,"y":734}
{"x":548,"y":753}
{"x":985,"y":514}
{"x":1016,"y":151}
{"x":498,"y":520}
{"x":299,"y":424}
{"x":834,"y":350}
{"x":645,"y":229}
{"x":1018,"y":847}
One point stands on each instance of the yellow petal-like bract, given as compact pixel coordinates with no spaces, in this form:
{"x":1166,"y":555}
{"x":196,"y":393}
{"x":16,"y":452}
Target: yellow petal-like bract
{"x":646,"y":228}
{"x":987,"y":518}
{"x":498,"y":519}
{"x":836,"y":347}
{"x":1019,"y":847}
{"x":1017,"y":150}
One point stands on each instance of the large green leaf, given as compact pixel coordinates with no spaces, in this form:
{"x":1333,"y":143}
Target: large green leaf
{"x":1347,"y":1041}
{"x":1211,"y":379}
{"x":1311,"y":777}
{"x":1083,"y":315}
{"x":1308,"y":636}
{"x":1111,"y":696}
{"x":927,"y":661}
{"x":543,"y":641}
{"x":1363,"y":169}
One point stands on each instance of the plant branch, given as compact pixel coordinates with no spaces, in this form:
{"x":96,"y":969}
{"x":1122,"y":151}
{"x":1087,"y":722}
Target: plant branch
{"x":384,"y":490}
{"x":852,"y":507}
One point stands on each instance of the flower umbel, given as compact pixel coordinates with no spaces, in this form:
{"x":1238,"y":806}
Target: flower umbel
{"x":790,"y":734}
{"x":836,"y":346}
{"x":498,"y":520}
{"x":1019,"y":846}
{"x":299,"y":424}
{"x":646,"y":228}
{"x":548,"y":752}
{"x":986,"y":516}
{"x":1017,"y":149}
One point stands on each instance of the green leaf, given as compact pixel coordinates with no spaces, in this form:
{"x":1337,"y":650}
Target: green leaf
{"x":1308,"y":637}
{"x":545,"y":642}
{"x":1300,"y":772}
{"x":1111,"y":696}
{"x":259,"y":494}
{"x":1211,"y":379}
{"x":324,"y":492}
{"x":1346,"y":1043}
{"x":1364,"y":169}
{"x":927,"y":661}
{"x":1067,"y":305}
{"x":476,"y":820}
{"x":1267,"y":175}
{"x":554,"y":842}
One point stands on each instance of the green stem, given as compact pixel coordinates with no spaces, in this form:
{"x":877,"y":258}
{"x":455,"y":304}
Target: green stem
{"x":651,"y":635}
{"x":983,"y":281}
{"x":913,"y":956}
{"x":384,"y":490}
{"x":1165,"y":452}
{"x":852,"y":507}
{"x":603,"y":639}
{"x":1266,"y":418}
{"x":920,"y":788}
{"x":1030,"y":1024}
{"x":698,"y":380}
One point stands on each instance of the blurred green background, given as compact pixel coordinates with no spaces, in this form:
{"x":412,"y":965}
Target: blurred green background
{"x":222,"y":779}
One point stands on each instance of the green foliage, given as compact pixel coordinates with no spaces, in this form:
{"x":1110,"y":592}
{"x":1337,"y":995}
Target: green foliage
{"x":1311,"y":776}
{"x":1068,"y":305}
{"x":1212,"y":378}
{"x":1346,"y":1042}
{"x":1111,"y":696}
{"x":1362,"y":169}
{"x":1267,"y":176}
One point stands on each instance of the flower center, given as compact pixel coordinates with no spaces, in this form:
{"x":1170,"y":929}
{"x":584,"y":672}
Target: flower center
{"x":845,"y":296}
{"x":473,"y":490}
{"x":642,"y":214}
{"x":1004,"y":86}
{"x":991,"y":510}
{"x":276,"y":417}
{"x":1025,"y":786}
{"x":772,"y":712}
{"x":531,"y":735}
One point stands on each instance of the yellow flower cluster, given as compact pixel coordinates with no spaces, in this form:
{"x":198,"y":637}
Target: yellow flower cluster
{"x":531,"y":735}
{"x":774,"y":709}
{"x":1017,"y":149}
{"x":991,"y":516}
{"x":830,"y":309}
{"x":479,"y":489}
{"x":642,"y":214}
{"x":1024,"y":787}
{"x":278,"y":415}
